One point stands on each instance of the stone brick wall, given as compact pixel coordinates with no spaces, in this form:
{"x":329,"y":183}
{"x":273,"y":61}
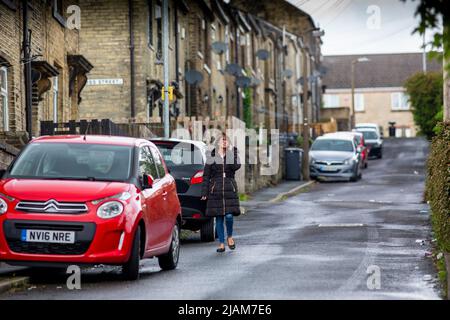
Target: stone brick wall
{"x":105,"y":41}
{"x":50,"y":42}
{"x":7,"y":154}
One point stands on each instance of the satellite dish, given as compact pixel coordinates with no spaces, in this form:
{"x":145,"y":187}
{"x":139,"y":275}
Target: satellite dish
{"x":262,"y":54}
{"x":288,"y":73}
{"x":219,"y":47}
{"x":255,"y":82}
{"x":193,"y":77}
{"x":243,"y":82}
{"x":233,"y":69}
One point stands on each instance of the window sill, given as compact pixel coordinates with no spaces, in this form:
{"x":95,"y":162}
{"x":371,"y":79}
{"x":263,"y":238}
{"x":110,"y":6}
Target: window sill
{"x":400,"y":110}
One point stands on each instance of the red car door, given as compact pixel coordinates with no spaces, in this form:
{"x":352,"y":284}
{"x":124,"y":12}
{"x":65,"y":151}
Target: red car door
{"x":169,"y":197}
{"x":152,"y":199}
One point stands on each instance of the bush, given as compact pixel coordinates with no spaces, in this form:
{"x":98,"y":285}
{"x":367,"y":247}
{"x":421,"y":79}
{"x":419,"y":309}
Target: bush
{"x":438,"y":185}
{"x":425,"y":92}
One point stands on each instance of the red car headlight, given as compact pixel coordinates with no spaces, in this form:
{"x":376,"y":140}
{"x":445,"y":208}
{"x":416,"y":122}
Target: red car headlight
{"x":110,"y":210}
{"x":3,"y":206}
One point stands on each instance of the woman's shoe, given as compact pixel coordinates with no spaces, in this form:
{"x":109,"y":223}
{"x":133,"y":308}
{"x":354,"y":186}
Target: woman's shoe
{"x":221,"y":249}
{"x":231,"y":246}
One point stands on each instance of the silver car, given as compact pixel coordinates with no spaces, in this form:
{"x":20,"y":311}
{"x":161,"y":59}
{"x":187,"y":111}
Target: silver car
{"x":335,"y":158}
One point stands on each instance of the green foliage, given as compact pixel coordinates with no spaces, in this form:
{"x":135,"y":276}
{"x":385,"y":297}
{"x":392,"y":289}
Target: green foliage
{"x":439,"y":117}
{"x":248,"y":116}
{"x":300,"y":141}
{"x":432,"y":14}
{"x":426,"y":97}
{"x":438,"y":186}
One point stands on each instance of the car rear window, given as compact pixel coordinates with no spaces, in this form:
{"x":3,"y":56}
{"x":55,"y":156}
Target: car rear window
{"x":180,"y":154}
{"x":332,"y":145}
{"x":74,"y":161}
{"x":370,"y":135}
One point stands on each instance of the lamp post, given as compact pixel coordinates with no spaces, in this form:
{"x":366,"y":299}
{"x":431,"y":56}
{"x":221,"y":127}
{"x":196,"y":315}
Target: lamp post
{"x":354,"y":62}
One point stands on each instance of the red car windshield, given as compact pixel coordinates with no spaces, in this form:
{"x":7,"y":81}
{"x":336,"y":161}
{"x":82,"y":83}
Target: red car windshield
{"x":74,"y":162}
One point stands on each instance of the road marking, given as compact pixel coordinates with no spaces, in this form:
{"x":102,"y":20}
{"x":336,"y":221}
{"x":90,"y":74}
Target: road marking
{"x":341,"y":225}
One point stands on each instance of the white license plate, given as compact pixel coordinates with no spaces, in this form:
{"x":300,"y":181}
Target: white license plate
{"x":48,"y":236}
{"x":328,"y":168}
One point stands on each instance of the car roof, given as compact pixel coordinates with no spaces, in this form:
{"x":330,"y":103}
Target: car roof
{"x":199,"y":144}
{"x":341,"y":133}
{"x":366,"y":125}
{"x":336,"y":137}
{"x":368,"y":129}
{"x":91,"y":139}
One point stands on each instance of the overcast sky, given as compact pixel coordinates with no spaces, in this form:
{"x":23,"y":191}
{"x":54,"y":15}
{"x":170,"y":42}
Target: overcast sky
{"x":364,"y":26}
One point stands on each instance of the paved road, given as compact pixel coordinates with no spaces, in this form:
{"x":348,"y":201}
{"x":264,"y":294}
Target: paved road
{"x":315,"y":245}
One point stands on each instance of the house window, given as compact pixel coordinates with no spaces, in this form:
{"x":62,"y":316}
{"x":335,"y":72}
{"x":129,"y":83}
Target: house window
{"x":399,"y":101}
{"x":4,"y":98}
{"x":58,"y":12}
{"x":359,"y":102}
{"x":150,"y":22}
{"x":331,"y":101}
{"x":159,"y":31}
{"x":55,"y":98}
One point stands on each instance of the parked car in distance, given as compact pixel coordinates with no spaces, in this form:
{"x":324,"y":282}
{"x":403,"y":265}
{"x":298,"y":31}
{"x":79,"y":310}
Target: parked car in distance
{"x":335,"y":157}
{"x":373,"y":126}
{"x":186,"y":160}
{"x":89,"y":200}
{"x":373,"y":142}
{"x":361,"y":146}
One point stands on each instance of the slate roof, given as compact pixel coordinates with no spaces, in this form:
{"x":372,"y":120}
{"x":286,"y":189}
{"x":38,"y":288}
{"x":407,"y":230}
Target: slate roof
{"x":383,"y":70}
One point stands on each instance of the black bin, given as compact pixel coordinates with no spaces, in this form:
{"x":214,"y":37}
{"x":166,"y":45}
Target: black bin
{"x":293,"y":163}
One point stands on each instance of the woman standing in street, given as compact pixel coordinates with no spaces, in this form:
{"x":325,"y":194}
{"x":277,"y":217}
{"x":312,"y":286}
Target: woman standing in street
{"x":219,"y":189}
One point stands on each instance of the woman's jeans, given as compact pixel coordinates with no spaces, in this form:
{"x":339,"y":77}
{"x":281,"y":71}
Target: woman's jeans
{"x":220,"y":227}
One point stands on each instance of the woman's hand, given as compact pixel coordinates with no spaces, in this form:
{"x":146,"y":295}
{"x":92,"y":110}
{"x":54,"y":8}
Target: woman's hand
{"x":203,"y":198}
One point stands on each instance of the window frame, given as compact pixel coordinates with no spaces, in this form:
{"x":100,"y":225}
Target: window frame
{"x":150,"y":25}
{"x":59,"y":16}
{"x":402,"y":105}
{"x":327,"y":99}
{"x":149,"y":152}
{"x":359,"y":108}
{"x":159,"y":162}
{"x":4,"y":92}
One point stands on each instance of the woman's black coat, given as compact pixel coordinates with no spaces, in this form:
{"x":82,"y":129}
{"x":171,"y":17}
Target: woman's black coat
{"x":219,"y":185}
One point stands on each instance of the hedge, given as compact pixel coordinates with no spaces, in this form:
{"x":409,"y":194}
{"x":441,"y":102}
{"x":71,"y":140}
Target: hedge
{"x":438,"y":185}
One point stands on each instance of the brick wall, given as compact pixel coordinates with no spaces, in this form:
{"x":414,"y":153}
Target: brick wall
{"x":50,"y":42}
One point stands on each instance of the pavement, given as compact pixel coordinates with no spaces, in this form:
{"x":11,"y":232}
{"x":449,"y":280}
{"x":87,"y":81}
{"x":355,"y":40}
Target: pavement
{"x":365,"y":240}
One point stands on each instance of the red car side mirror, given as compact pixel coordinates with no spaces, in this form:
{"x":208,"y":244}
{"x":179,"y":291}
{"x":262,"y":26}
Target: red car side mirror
{"x":147,"y":181}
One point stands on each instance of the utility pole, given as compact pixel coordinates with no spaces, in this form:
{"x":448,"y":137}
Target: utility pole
{"x":353,"y":120}
{"x":166,"y":38}
{"x":354,"y":62}
{"x":424,"y":55}
{"x":305,"y":131}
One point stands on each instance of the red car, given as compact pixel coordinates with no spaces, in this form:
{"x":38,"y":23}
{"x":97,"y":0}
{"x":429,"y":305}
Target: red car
{"x":363,"y":148}
{"x":89,"y":200}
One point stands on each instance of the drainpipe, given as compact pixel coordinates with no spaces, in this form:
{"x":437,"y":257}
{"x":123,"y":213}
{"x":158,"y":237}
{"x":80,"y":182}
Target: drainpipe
{"x":27,"y":70}
{"x":236,"y":58}
{"x":177,"y":53}
{"x":132,"y":62}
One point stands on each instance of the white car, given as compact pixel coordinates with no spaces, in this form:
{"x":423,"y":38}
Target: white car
{"x":373,"y":126}
{"x":373,"y":142}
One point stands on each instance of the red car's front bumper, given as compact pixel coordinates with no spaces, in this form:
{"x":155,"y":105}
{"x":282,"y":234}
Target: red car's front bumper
{"x":97,"y":241}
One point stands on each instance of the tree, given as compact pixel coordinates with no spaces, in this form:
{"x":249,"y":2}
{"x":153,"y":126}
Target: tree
{"x":425,"y":96}
{"x":434,"y":15}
